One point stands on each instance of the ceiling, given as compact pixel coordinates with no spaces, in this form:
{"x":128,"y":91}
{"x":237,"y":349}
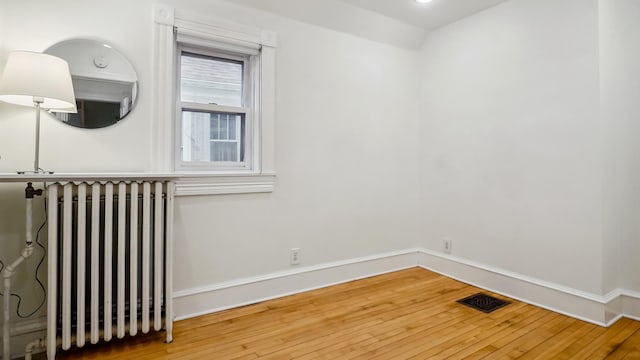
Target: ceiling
{"x":426,"y":16}
{"x":401,"y":23}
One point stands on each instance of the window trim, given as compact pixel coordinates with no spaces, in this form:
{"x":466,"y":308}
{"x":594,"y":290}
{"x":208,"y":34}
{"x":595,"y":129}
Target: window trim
{"x":232,"y":36}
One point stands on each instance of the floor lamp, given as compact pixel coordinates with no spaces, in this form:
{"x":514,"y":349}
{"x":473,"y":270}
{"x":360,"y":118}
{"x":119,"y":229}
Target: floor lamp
{"x":44,"y":82}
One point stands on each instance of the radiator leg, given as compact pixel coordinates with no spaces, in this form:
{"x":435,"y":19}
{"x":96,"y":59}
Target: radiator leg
{"x":38,"y":344}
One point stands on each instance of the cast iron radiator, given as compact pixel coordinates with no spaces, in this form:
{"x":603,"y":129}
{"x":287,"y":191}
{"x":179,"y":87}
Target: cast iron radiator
{"x":108,"y":261}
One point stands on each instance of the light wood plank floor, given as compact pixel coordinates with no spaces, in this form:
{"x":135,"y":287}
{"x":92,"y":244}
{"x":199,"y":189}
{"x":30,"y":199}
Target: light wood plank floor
{"x":409,"y":314}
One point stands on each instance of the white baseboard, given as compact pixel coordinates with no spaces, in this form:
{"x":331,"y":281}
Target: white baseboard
{"x":597,"y":309}
{"x":25,"y":331}
{"x":200,"y":301}
{"x":630,"y":303}
{"x":554,"y":297}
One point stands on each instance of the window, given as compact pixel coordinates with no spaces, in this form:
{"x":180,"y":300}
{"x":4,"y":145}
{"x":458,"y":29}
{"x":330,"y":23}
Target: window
{"x":214,"y":104}
{"x":215,"y":109}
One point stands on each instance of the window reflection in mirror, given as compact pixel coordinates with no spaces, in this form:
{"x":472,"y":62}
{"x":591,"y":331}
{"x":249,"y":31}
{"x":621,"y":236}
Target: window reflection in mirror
{"x":104,"y":81}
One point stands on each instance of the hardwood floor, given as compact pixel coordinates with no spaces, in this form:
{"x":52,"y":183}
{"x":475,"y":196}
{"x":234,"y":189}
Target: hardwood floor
{"x":410,"y":314}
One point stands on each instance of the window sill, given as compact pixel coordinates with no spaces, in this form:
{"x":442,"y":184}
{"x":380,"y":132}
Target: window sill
{"x":220,"y":184}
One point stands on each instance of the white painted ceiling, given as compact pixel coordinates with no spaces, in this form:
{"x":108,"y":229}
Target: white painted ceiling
{"x":398,"y":22}
{"x":426,"y":16}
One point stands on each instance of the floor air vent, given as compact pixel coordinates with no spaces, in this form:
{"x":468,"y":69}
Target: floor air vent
{"x":483,"y":302}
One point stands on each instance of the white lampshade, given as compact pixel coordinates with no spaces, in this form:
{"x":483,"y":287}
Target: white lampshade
{"x":29,"y":74}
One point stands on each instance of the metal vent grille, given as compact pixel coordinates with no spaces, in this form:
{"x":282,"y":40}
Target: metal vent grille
{"x":484,"y":302}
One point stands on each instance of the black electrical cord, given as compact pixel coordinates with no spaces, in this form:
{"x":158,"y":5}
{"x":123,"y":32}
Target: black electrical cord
{"x":44,"y":253}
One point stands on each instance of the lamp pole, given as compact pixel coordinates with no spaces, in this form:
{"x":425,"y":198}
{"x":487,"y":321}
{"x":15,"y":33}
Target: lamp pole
{"x":37,"y":101}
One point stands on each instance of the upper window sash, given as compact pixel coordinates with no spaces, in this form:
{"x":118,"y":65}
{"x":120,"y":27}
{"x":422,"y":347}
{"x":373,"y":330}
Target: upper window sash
{"x":249,"y":75}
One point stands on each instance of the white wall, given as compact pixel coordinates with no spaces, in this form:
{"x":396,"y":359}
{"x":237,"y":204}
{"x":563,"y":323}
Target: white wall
{"x":346,"y":174}
{"x":2,"y":30}
{"x":511,"y":149}
{"x":620,"y":91}
{"x":345,"y":160}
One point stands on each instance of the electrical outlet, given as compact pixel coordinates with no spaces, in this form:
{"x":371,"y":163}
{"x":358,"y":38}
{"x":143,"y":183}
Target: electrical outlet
{"x":295,"y":256}
{"x":446,"y":245}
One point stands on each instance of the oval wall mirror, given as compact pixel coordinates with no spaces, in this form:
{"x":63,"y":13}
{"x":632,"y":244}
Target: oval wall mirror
{"x":104,"y":81}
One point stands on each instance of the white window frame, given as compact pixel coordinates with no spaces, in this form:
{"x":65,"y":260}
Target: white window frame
{"x":257,"y":174}
{"x":250,"y":109}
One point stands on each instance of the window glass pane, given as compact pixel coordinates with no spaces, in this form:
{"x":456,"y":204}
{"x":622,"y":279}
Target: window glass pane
{"x":224,"y":126}
{"x":212,"y":136}
{"x":224,"y":151}
{"x":210,"y":80}
{"x":232,"y":131}
{"x":215,"y":127}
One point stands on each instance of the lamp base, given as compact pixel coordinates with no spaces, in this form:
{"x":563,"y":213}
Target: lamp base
{"x":44,"y":172}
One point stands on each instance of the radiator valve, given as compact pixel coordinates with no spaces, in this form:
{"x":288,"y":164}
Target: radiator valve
{"x":30,"y":192}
